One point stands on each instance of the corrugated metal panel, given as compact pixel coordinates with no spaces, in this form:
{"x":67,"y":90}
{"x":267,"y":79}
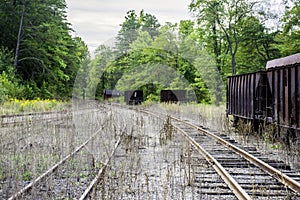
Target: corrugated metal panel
{"x":241,"y":94}
{"x":297,"y":96}
{"x":292,"y":97}
{"x":285,"y":87}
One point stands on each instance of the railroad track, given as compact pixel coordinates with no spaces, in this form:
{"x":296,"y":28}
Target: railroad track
{"x":37,"y":181}
{"x":248,"y":174}
{"x":17,"y":130}
{"x":157,"y":157}
{"x":70,"y":175}
{"x":27,"y":118}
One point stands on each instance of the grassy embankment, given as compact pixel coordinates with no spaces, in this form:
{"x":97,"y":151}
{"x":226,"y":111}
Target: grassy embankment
{"x":13,"y":106}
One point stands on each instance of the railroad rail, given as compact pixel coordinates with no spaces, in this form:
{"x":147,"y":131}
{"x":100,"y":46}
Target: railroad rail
{"x":38,"y":182}
{"x":95,"y":181}
{"x":22,"y":118}
{"x":237,"y":189}
{"x":51,"y":170}
{"x":238,"y":168}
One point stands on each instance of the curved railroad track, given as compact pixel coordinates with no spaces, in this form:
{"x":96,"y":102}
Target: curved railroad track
{"x":245,"y":172}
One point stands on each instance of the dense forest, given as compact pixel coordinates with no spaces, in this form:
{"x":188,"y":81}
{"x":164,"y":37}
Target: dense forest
{"x":39,"y":58}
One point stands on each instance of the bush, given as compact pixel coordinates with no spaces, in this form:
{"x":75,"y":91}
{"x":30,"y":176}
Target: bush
{"x":37,"y":105}
{"x":9,"y":87}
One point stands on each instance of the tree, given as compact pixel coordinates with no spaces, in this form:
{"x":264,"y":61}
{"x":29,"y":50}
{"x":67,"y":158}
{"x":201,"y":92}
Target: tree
{"x":19,"y":35}
{"x":168,"y":60}
{"x":132,"y":25}
{"x":46,"y":56}
{"x":257,"y":45}
{"x":221,"y":21}
{"x":289,"y":39}
{"x":99,"y":73}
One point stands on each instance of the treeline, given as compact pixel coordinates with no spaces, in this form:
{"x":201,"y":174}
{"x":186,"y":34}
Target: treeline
{"x":38,"y":56}
{"x":226,"y":38}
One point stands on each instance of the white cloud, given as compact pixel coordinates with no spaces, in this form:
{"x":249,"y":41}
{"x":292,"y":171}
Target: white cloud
{"x":97,"y":21}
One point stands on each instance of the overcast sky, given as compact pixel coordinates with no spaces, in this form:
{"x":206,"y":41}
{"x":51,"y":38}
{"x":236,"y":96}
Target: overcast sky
{"x":97,"y":21}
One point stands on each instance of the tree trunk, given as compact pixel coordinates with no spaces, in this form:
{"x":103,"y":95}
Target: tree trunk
{"x":217,"y":53}
{"x":233,"y":64}
{"x":19,"y":37}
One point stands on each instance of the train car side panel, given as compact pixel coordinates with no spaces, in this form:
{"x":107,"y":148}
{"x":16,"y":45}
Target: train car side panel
{"x":247,"y":96}
{"x":285,"y":83}
{"x":297,"y":96}
{"x":239,"y":99}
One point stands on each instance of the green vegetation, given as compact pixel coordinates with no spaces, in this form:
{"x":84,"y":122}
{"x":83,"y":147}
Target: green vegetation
{"x":37,"y":105}
{"x":228,"y":37}
{"x":38,"y":56}
{"x":40,"y":59}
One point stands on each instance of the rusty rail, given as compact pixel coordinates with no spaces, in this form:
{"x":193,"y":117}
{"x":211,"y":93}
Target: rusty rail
{"x":95,"y":181}
{"x":280,"y":176}
{"x":51,"y":170}
{"x":239,"y":192}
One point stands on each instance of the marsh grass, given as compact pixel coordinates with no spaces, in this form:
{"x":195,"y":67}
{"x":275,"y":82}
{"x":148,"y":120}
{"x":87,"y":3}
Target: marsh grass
{"x":209,"y":116}
{"x":152,"y":162}
{"x":267,"y":140}
{"x":147,"y":165}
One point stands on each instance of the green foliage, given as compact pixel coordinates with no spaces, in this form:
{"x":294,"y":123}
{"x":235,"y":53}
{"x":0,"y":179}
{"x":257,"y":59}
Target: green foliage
{"x":150,"y":63}
{"x":27,"y":176}
{"x":6,"y":60}
{"x":256,"y":46}
{"x":289,"y":39}
{"x":132,"y":25}
{"x":288,"y":43}
{"x":49,"y":57}
{"x":9,"y":88}
{"x":9,"y":84}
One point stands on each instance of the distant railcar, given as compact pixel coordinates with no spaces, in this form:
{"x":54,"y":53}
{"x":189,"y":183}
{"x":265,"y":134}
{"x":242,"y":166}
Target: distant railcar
{"x":173,"y":96}
{"x":133,"y":97}
{"x":107,"y":94}
{"x":270,"y":96}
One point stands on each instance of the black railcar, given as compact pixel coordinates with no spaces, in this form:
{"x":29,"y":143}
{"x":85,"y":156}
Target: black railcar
{"x":270,"y":96}
{"x":173,"y":96}
{"x":107,"y":94}
{"x":133,"y":97}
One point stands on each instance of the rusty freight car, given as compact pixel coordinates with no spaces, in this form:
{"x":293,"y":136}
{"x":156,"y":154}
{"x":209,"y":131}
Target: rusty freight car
{"x":248,"y":97}
{"x":284,"y":78}
{"x":270,"y":96}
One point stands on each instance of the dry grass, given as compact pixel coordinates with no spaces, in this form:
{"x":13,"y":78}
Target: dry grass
{"x":214,"y":117}
{"x":153,"y":161}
